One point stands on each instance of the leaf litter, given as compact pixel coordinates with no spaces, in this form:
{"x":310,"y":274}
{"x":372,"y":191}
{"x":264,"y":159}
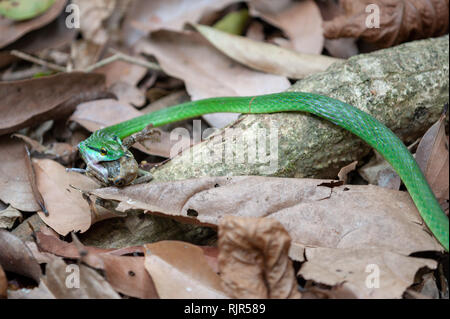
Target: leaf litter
{"x":329,"y":229}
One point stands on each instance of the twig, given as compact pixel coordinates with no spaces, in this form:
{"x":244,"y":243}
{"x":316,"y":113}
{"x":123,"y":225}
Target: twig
{"x":33,"y":59}
{"x":124,"y":57}
{"x":117,"y":56}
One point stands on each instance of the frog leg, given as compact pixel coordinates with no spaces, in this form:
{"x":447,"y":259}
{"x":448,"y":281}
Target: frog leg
{"x":147,"y":133}
{"x":143,"y":177}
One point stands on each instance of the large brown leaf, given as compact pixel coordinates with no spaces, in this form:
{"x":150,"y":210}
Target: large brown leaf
{"x":13,"y":30}
{"x":313,"y":213}
{"x":125,"y":274}
{"x":368,"y":273}
{"x":15,"y":183}
{"x":253,"y":259}
{"x":67,"y":209}
{"x":27,"y":102}
{"x":400,"y":21}
{"x":180,"y":270}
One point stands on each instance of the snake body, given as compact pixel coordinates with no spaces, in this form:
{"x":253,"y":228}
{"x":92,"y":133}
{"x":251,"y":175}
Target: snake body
{"x":105,"y":144}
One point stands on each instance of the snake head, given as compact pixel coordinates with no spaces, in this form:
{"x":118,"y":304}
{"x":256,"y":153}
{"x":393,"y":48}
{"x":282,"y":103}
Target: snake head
{"x":96,"y":149}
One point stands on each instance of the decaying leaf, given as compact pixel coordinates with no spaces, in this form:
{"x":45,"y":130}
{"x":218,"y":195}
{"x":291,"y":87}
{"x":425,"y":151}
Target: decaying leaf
{"x":95,"y":115}
{"x":367,"y":272}
{"x":301,"y":21}
{"x":128,"y":93}
{"x":190,"y":57}
{"x":91,"y":284}
{"x":67,"y":209}
{"x":148,"y":16}
{"x":126,"y":274}
{"x":253,"y":259}
{"x":347,"y":216}
{"x":11,"y":30}
{"x":180,"y":270}
{"x":432,"y":157}
{"x":27,"y":102}
{"x":266,"y":57}
{"x":122,"y":71}
{"x":15,"y":187}
{"x":398,"y":21}
{"x":17,"y":258}
{"x":8,"y":217}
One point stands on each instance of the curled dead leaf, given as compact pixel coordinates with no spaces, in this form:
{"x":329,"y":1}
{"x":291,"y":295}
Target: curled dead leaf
{"x":16,"y":257}
{"x":399,"y":21}
{"x":253,"y":259}
{"x":266,"y":57}
{"x":432,"y":155}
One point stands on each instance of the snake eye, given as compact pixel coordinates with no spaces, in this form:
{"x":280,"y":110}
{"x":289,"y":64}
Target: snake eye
{"x":103,"y":151}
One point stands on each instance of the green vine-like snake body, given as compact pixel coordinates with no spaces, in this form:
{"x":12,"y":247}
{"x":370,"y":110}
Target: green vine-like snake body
{"x":106,"y":144}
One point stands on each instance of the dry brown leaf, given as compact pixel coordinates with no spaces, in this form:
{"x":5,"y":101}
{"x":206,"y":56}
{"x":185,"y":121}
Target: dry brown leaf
{"x":63,"y":152}
{"x":16,"y":257}
{"x":400,"y":21}
{"x":180,"y":270}
{"x":348,"y":216}
{"x":92,"y":285}
{"x":126,"y":274}
{"x":432,"y":157}
{"x":8,"y":217}
{"x":358,"y":270}
{"x":3,"y":284}
{"x":266,"y":57}
{"x":15,"y":187}
{"x":147,"y":16}
{"x":206,"y":72}
{"x":300,"y":21}
{"x":27,"y":102}
{"x":68,"y":210}
{"x":98,"y":114}
{"x":122,"y":71}
{"x":13,"y":30}
{"x":253,"y":259}
{"x":128,"y":93}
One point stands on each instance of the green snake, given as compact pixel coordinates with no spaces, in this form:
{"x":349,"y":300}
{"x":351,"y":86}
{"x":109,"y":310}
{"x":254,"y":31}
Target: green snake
{"x":105,"y":145}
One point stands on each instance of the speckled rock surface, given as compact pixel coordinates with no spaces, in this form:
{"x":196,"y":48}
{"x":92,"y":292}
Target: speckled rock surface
{"x":405,"y":87}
